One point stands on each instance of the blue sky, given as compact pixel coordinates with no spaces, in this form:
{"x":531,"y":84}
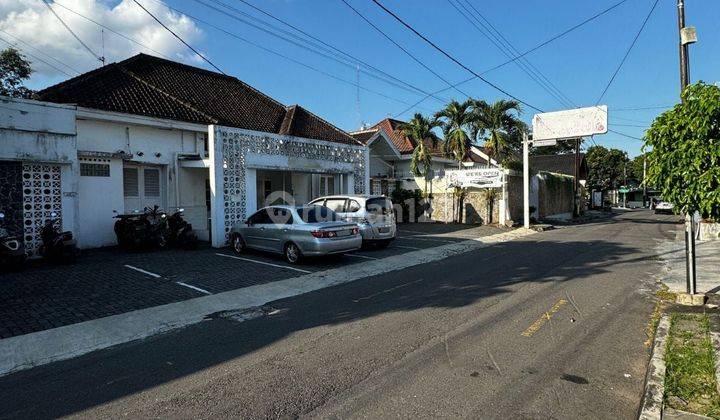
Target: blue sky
{"x":579,"y":64}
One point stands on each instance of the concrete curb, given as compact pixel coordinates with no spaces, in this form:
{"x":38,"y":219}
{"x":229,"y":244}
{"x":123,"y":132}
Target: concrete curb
{"x":30,"y":350}
{"x":652,"y":404}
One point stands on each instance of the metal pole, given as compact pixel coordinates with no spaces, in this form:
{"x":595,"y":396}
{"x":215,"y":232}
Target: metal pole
{"x":576,"y":188}
{"x":526,"y":182}
{"x":645,"y":197}
{"x":689,"y":222}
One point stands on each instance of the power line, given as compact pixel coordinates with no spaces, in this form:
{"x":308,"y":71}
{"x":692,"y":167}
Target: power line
{"x":408,"y":53}
{"x":629,"y":125}
{"x":531,"y":50}
{"x":625,"y":135}
{"x":268,"y":50}
{"x":306,"y":44}
{"x":179,"y":38}
{"x":627,"y":53}
{"x":446,"y":54}
{"x":113,"y":31}
{"x":101,"y":59}
{"x":522,"y":59}
{"x":490,"y":36}
{"x":28,"y":45}
{"x":37,"y":58}
{"x":337,"y":52}
{"x":643,"y":108}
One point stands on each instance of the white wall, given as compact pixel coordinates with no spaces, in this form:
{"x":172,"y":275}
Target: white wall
{"x":98,"y":197}
{"x":192,"y":199}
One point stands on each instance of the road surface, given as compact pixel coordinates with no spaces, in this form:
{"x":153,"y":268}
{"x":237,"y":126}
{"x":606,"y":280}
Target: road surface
{"x":552,"y":325}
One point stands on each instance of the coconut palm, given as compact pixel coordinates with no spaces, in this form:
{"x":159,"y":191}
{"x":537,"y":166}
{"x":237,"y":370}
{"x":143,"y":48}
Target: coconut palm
{"x":498,"y":125}
{"x":456,"y":119}
{"x":420,"y":130}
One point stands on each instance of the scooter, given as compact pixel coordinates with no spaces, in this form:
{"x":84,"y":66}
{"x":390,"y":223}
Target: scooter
{"x":57,"y":246}
{"x":181,"y":233}
{"x":12,"y":248}
{"x":137,"y":230}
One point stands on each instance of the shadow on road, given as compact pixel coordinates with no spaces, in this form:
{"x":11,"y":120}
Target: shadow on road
{"x":71,"y":386}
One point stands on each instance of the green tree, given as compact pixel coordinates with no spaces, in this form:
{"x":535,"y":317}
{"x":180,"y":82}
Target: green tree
{"x":498,"y":126}
{"x":14,"y":70}
{"x":606,"y":167}
{"x":420,"y":130}
{"x":455,"y":120}
{"x":684,"y":152}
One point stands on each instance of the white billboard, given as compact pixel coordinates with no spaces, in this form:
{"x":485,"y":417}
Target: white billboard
{"x":478,"y":178}
{"x":571,"y":123}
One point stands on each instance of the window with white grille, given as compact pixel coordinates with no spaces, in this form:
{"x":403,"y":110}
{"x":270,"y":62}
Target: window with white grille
{"x":152,"y":182}
{"x":130,"y":182}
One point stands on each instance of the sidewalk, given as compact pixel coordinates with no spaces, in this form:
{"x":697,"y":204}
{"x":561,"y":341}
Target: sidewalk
{"x":707,"y":263}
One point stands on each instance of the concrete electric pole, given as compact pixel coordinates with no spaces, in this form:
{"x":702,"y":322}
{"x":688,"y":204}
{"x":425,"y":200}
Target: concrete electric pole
{"x":687,"y":36}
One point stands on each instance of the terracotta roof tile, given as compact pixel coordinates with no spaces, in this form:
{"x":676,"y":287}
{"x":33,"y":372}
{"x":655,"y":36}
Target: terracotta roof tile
{"x":155,"y":87}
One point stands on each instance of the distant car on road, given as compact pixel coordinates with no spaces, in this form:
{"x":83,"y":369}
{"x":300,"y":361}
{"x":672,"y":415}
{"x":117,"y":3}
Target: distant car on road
{"x":373,"y":214}
{"x":663,"y":207}
{"x":296,"y":232}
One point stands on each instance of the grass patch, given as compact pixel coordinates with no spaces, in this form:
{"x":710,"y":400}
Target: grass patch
{"x":690,"y":383}
{"x":664,"y":298}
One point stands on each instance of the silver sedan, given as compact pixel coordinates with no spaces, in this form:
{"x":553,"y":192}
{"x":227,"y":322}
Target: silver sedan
{"x":296,"y":232}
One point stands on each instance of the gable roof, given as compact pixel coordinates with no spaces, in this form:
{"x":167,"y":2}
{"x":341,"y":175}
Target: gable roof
{"x":402,"y":143}
{"x":559,"y":164}
{"x":155,"y":87}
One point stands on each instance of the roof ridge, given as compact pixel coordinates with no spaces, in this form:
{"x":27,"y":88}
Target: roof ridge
{"x":178,"y":100}
{"x":333,"y":126}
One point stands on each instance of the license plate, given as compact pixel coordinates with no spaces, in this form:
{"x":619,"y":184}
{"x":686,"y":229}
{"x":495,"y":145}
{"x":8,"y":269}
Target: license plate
{"x":384,"y":229}
{"x":342,"y":233}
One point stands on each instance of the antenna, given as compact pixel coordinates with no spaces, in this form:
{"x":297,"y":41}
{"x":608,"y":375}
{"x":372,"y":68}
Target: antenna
{"x":102,"y":42}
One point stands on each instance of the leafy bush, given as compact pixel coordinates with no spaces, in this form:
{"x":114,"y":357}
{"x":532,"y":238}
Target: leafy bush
{"x":684,"y":160}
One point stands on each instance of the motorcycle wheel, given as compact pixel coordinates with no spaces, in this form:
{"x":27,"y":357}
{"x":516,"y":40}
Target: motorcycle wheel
{"x":161,"y":240}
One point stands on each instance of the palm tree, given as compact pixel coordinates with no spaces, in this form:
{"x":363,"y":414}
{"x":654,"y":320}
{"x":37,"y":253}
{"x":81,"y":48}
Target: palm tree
{"x":498,"y":125}
{"x":420,"y":130}
{"x":455,"y":119}
{"x":500,"y":128}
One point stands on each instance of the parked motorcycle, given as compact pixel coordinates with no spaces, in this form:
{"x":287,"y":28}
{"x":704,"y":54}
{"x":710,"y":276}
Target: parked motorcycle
{"x":181,"y":232}
{"x":138,"y":230}
{"x":57,"y":246}
{"x":12,"y":248}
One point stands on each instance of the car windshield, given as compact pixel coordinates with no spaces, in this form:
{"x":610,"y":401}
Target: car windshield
{"x":379,"y":205}
{"x":317,"y":214}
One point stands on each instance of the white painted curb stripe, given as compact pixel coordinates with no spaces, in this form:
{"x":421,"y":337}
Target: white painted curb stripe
{"x":157,"y":276}
{"x":264,"y":263}
{"x":404,"y":247}
{"x":193,"y":287}
{"x":29,"y":350}
{"x":362,"y":256}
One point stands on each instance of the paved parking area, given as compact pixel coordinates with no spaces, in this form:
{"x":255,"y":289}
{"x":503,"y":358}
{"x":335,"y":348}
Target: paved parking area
{"x":108,"y":281}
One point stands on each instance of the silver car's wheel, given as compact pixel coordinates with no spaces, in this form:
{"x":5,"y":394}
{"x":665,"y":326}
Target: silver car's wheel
{"x":292,"y":253}
{"x":238,"y":244}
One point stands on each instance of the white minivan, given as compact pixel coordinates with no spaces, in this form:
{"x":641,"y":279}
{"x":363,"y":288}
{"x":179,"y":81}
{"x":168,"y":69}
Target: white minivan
{"x":373,"y":214}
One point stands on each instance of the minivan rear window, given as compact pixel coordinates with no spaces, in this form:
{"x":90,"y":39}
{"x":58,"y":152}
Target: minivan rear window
{"x":317,"y":214}
{"x":379,"y":205}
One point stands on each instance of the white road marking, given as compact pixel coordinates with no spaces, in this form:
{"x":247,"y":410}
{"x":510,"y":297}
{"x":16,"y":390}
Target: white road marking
{"x":362,"y":256}
{"x":157,"y":276}
{"x":404,"y":247}
{"x":264,"y":263}
{"x":193,"y":287}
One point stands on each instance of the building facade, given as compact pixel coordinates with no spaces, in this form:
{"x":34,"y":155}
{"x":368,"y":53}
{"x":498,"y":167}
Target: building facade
{"x":148,"y":131}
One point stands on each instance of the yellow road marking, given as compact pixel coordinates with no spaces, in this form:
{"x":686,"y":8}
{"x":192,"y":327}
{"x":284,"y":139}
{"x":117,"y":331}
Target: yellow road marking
{"x":532,"y":329}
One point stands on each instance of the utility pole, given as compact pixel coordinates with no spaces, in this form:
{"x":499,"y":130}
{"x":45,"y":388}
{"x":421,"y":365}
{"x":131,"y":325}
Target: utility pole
{"x":689,"y":216}
{"x":645,"y":196}
{"x":526,"y":181}
{"x":576,"y":185}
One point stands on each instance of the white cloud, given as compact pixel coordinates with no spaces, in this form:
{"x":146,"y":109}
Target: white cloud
{"x":32,"y":22}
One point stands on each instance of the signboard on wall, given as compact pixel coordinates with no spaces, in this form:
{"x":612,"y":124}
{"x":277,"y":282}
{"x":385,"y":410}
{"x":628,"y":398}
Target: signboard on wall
{"x":478,"y":178}
{"x":571,"y":123}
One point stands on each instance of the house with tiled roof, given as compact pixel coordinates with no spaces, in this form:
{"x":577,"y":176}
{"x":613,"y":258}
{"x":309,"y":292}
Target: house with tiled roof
{"x":148,"y":131}
{"x":390,"y":154}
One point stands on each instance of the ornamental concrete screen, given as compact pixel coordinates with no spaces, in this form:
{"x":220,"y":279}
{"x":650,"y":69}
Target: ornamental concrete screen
{"x":237,"y":156}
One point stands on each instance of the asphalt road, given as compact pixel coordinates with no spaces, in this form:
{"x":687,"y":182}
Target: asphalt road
{"x":552,"y":325}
